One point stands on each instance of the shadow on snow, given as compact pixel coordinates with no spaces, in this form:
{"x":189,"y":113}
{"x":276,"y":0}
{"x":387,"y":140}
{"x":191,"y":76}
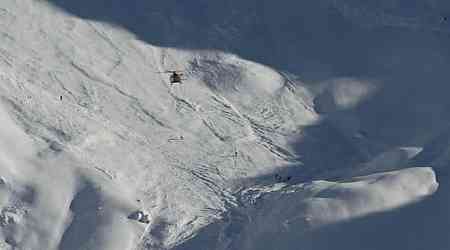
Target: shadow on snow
{"x":315,"y":42}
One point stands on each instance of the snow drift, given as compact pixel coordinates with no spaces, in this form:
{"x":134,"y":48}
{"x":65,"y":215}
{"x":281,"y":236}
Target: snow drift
{"x":294,"y":120}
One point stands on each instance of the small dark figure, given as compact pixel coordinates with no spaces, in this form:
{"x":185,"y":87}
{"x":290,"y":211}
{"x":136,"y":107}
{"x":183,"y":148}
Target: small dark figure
{"x":288,"y":178}
{"x":60,"y":97}
{"x":278,"y":177}
{"x":175,"y":77}
{"x":139,"y":216}
{"x":145,"y":219}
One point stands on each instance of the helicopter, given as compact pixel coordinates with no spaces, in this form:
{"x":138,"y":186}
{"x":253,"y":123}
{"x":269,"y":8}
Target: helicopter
{"x":175,"y":76}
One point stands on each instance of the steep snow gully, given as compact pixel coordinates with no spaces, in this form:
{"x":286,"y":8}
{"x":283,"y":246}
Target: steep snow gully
{"x":300,"y":125}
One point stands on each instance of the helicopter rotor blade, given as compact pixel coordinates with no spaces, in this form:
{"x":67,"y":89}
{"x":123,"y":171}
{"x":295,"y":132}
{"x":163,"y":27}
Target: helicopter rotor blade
{"x":174,"y":71}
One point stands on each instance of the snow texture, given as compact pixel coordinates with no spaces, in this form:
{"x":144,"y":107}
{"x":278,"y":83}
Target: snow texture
{"x":299,"y":125}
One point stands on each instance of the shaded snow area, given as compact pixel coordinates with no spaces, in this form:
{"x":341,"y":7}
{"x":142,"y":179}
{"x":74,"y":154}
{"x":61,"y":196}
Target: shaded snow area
{"x":305,"y":125}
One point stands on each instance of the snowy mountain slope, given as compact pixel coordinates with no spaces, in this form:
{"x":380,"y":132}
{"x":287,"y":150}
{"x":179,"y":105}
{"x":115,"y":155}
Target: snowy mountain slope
{"x":289,"y":93}
{"x":281,"y":213}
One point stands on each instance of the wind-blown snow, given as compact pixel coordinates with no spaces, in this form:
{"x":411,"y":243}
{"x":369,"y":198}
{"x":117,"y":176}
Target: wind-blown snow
{"x":293,"y":120}
{"x":342,"y":94}
{"x":286,"y":212}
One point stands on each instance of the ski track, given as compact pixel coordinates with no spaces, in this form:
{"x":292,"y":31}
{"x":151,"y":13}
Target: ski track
{"x":198,"y":157}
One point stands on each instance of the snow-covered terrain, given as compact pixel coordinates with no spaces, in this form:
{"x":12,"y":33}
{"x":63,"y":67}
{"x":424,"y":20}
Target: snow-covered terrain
{"x":299,"y":125}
